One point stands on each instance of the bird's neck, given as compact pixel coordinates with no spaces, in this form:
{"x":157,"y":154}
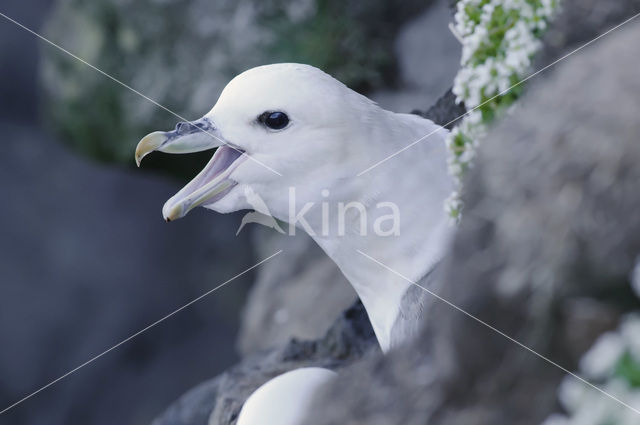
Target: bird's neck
{"x":382,"y":262}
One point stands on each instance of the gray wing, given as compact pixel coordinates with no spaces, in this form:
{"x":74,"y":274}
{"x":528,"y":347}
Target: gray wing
{"x":413,"y":305}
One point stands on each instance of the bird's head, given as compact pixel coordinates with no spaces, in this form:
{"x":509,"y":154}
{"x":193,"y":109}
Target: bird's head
{"x":276,"y":127}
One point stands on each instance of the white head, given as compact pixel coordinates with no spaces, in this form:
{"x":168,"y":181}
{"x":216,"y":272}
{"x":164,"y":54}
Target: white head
{"x":278,"y":126}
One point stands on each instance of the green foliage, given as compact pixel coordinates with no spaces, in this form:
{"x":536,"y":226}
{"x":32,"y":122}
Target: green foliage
{"x":628,"y":369}
{"x":613,"y":365}
{"x":499,"y":39}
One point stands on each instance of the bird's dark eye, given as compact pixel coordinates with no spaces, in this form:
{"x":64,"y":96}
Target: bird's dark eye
{"x":274,"y":120}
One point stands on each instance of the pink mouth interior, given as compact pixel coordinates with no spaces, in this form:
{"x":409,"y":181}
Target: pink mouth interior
{"x":221,"y":161}
{"x":224,"y":158}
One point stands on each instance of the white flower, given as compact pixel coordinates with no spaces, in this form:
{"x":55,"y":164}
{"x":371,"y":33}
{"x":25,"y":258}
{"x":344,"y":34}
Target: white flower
{"x":602,"y":358}
{"x":572,"y":393}
{"x":483,"y":77}
{"x":586,"y":405}
{"x":630,"y":330}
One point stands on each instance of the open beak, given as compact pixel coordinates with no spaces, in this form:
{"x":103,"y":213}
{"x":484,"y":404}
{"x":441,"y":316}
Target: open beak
{"x":212,"y":183}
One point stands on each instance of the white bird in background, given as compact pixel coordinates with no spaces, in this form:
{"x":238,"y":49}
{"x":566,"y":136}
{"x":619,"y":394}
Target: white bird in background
{"x":297,"y":137}
{"x":266,"y":404}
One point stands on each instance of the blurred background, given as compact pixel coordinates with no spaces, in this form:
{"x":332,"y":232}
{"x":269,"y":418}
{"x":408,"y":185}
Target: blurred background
{"x":85,"y":257}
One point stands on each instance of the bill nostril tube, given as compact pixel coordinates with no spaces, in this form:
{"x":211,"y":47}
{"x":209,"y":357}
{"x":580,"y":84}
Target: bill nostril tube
{"x":182,"y":127}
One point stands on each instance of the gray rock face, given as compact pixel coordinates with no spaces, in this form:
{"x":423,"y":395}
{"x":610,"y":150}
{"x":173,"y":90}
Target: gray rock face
{"x":549,"y":238}
{"x":18,"y":54}
{"x":194,"y":407}
{"x":445,"y":112}
{"x":582,"y":21}
{"x":428,"y":59}
{"x":299,"y":296}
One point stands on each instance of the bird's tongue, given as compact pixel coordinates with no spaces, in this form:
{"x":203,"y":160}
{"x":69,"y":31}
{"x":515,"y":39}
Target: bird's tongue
{"x":210,"y":185}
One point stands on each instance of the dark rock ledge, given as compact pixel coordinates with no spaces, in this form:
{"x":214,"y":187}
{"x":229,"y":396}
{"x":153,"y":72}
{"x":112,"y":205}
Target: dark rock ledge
{"x":219,"y":400}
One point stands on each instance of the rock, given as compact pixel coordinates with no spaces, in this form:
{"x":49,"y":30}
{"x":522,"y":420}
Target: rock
{"x":349,"y":339}
{"x":551,"y":220}
{"x":182,"y":53}
{"x":298,"y":296}
{"x":445,"y":112}
{"x":428,"y":59}
{"x":19,"y":54}
{"x":194,"y":407}
{"x":581,"y":21}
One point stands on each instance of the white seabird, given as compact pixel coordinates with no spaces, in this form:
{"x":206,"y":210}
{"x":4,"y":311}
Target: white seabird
{"x":296,"y":137}
{"x":284,"y":399}
{"x":300,"y":140}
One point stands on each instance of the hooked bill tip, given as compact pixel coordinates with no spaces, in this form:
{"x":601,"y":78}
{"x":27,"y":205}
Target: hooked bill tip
{"x":148,"y":144}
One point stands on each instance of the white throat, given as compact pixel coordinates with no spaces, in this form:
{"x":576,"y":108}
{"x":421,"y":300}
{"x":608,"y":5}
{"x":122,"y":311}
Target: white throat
{"x":417,"y":182}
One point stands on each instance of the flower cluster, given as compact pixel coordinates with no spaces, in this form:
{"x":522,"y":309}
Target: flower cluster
{"x":499,"y":39}
{"x":613,"y":363}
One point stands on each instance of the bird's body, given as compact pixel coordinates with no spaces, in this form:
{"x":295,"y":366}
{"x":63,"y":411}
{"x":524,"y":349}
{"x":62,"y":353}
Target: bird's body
{"x":315,"y":152}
